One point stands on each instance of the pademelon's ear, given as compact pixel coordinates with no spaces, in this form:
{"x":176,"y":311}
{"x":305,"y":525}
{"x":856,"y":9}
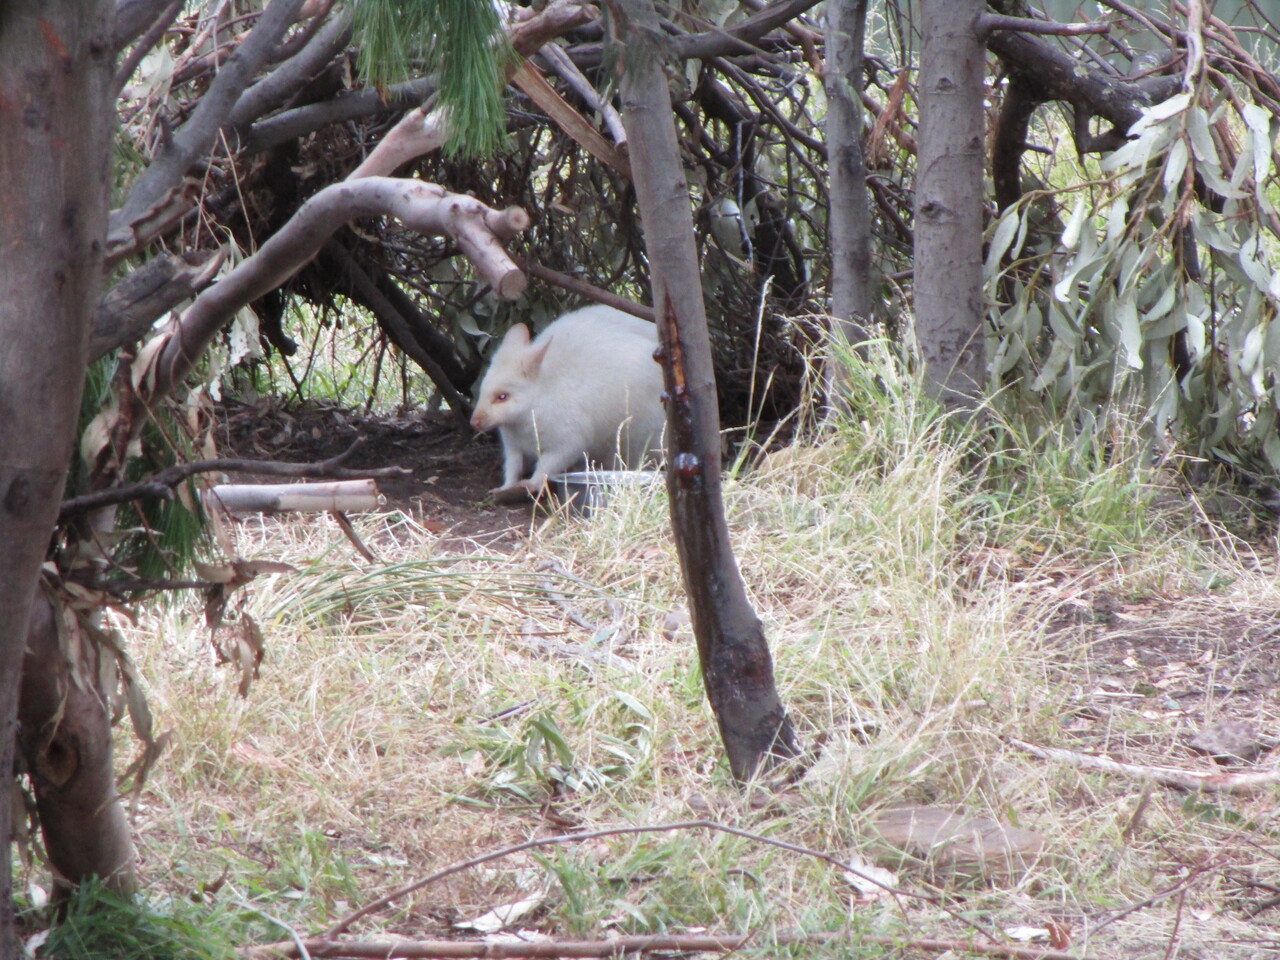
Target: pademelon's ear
{"x":517,"y":336}
{"x":533,"y":356}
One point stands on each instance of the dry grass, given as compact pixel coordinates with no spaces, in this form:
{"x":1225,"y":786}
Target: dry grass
{"x":433,"y":706}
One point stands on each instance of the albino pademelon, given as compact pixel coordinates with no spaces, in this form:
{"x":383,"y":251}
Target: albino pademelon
{"x":585,"y":390}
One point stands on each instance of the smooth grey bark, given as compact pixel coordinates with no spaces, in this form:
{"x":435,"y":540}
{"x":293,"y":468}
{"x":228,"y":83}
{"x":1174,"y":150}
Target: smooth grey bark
{"x":848,"y":218}
{"x":737,"y":668}
{"x":56,"y":114}
{"x":948,"y":216}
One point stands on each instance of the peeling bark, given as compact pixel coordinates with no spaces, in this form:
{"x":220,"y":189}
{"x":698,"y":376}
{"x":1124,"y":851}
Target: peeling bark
{"x":64,"y":741}
{"x":128,"y":310}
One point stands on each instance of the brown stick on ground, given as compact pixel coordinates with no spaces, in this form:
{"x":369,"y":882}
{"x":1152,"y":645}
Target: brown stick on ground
{"x":623,"y":946}
{"x":1214,"y":781}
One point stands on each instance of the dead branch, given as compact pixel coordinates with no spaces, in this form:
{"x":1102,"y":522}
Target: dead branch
{"x":127,"y":311}
{"x":156,"y":189}
{"x":588,"y":290}
{"x":160,"y":485}
{"x":397,"y":328}
{"x":479,"y":231}
{"x":281,"y":84}
{"x":535,"y":86}
{"x":568,"y":72}
{"x":568,"y":838}
{"x":624,"y":946}
{"x":740,"y":38}
{"x":334,"y":496}
{"x":1058,"y":76}
{"x":989,"y":22}
{"x":1213,"y":781}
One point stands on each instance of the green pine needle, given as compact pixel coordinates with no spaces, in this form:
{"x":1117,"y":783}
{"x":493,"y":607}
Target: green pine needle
{"x":463,"y":39}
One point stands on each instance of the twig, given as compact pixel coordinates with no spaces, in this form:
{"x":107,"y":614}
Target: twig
{"x":161,"y":484}
{"x":1213,"y":781}
{"x":568,"y":838}
{"x":345,"y":526}
{"x":1177,"y":922}
{"x":626,"y":946}
{"x":1180,"y":887}
{"x":585,"y":289}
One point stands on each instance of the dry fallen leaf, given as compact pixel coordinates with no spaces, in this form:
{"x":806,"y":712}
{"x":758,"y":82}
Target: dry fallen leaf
{"x":502,"y":916}
{"x":871,"y":882}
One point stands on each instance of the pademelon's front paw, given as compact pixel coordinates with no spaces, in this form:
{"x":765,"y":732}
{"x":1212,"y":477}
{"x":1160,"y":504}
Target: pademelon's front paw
{"x":534,"y":486}
{"x":516,"y":493}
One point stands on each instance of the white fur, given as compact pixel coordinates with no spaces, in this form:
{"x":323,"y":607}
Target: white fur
{"x":586,"y":389}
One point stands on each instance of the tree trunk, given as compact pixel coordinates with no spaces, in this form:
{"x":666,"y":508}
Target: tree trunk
{"x":64,"y":739}
{"x":56,"y":113}
{"x":948,"y":223}
{"x":737,"y":668}
{"x":848,"y":219}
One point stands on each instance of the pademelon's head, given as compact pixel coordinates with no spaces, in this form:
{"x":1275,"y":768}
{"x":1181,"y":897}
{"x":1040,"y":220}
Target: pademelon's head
{"x":506,"y":392}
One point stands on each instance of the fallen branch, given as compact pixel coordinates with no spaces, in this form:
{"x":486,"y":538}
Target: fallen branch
{"x":568,"y":71}
{"x":623,"y":946}
{"x":586,"y":290}
{"x":239,"y":499}
{"x":568,"y":838}
{"x":161,"y":485}
{"x":1214,"y":781}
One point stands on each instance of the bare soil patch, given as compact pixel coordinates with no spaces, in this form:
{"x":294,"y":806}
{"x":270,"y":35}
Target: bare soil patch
{"x":452,"y":472}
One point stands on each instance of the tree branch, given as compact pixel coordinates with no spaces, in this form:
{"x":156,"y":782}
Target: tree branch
{"x":128,"y":310}
{"x":626,"y":947}
{"x":133,"y":17}
{"x":398,"y":329}
{"x":1058,"y":76}
{"x":422,"y":129}
{"x":742,"y":37}
{"x":275,"y":89}
{"x":160,"y":485}
{"x":430,"y":209}
{"x":143,"y":46}
{"x":355,"y":105}
{"x":988,"y":23}
{"x":588,"y":290}
{"x":156,"y":189}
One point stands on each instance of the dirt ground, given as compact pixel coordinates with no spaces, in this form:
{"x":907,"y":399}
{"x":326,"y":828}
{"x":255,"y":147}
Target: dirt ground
{"x":1168,"y":681}
{"x":451,"y":472}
